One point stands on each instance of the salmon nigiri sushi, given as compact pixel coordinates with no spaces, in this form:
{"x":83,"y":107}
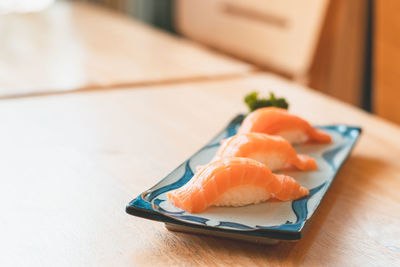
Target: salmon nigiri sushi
{"x":273,"y":151}
{"x":278,"y":121}
{"x":234,"y":182}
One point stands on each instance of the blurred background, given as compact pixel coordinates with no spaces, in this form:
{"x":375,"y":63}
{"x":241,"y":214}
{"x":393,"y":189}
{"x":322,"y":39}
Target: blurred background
{"x":342,"y":48}
{"x":336,"y":61}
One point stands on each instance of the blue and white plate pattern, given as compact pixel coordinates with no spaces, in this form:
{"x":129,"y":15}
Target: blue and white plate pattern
{"x":274,"y":219}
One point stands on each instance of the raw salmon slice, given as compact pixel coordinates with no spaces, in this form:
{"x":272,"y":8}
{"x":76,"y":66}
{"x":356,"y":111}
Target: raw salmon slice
{"x":277,"y":121}
{"x":234,"y":182}
{"x":273,"y":151}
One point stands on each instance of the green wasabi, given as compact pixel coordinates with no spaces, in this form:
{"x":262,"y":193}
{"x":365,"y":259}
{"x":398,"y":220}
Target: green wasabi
{"x":253,"y":102}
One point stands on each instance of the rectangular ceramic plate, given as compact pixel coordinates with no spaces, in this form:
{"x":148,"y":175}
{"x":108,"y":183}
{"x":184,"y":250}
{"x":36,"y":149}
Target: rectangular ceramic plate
{"x":265,"y":222}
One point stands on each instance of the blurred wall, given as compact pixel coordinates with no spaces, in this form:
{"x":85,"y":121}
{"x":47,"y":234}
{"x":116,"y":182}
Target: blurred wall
{"x":386,"y":69}
{"x":156,"y":12}
{"x":342,"y":60}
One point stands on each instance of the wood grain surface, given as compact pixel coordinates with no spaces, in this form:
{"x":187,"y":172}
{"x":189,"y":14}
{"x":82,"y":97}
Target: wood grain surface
{"x":70,"y":163}
{"x":71,"y":46}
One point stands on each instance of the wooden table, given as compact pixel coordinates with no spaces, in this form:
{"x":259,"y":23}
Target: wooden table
{"x":70,"y":164}
{"x":77,"y":46}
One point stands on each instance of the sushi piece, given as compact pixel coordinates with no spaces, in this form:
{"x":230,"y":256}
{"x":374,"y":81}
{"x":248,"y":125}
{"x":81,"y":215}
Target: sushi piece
{"x":273,"y":151}
{"x":234,"y":182}
{"x":278,"y":121}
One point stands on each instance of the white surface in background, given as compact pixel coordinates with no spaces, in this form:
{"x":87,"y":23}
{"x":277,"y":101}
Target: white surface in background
{"x":23,"y":6}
